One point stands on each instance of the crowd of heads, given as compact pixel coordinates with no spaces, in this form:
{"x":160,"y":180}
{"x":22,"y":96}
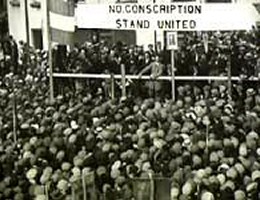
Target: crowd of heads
{"x":206,"y":142}
{"x":199,"y":53}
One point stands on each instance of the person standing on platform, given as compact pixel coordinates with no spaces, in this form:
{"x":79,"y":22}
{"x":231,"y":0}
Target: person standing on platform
{"x":156,"y":68}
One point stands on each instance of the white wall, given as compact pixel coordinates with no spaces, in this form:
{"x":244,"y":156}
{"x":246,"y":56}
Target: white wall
{"x":16,"y":20}
{"x":37,"y":20}
{"x":144,"y":37}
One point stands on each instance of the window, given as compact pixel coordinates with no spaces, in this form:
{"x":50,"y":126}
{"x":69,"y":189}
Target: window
{"x":37,"y":38}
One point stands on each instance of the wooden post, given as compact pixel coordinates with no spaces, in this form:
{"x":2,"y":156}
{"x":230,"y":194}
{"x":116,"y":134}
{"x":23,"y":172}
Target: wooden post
{"x":173,"y":75}
{"x":73,"y":195}
{"x":50,"y":52}
{"x":229,"y":77}
{"x":112,"y":86}
{"x":123,"y":80}
{"x":84,"y":187}
{"x":14,"y":118}
{"x":207,"y":139}
{"x":46,"y":189}
{"x":152,"y":189}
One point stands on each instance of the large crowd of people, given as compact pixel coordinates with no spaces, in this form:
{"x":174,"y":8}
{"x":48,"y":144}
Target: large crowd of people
{"x":199,"y":53}
{"x":207,"y":142}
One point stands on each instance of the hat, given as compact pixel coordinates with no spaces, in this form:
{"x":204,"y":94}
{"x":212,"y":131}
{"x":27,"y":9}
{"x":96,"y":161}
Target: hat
{"x":72,"y":138}
{"x":175,"y":192}
{"x":101,"y":170}
{"x":255,"y":175}
{"x":207,"y":196}
{"x":60,"y":155}
{"x":197,"y":161}
{"x":25,"y":126}
{"x":240,"y":195}
{"x":223,"y":167}
{"x":65,"y":166}
{"x":67,"y":131}
{"x":189,"y":187}
{"x":221,"y":178}
{"x":220,"y":103}
{"x":228,"y":185}
{"x":253,"y":135}
{"x":74,"y":125}
{"x":213,"y":157}
{"x":249,"y":56}
{"x":63,"y":185}
{"x":170,"y":137}
{"x":243,"y":149}
{"x":77,"y":161}
{"x":159,"y":143}
{"x":146,"y":167}
{"x":232,"y":173}
{"x":251,"y":187}
{"x":31,"y":174}
{"x":40,"y":197}
{"x":250,"y":92}
{"x":240,"y":168}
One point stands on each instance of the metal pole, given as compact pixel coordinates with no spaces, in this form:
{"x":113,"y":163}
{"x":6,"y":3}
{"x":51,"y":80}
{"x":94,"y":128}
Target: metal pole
{"x":27,"y":22}
{"x":50,"y":52}
{"x":173,"y":75}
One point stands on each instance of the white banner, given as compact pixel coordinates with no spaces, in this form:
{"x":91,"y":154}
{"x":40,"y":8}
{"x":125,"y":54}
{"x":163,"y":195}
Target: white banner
{"x":175,"y":17}
{"x":62,"y":22}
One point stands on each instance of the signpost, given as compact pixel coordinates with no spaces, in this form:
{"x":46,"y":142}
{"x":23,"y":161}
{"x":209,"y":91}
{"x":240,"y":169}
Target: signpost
{"x":172,"y":44}
{"x":229,"y":73}
{"x":50,"y":53}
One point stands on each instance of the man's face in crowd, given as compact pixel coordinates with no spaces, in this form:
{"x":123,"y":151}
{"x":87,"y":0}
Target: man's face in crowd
{"x":95,"y":38}
{"x":150,"y":47}
{"x":147,"y":56}
{"x":157,"y":58}
{"x":131,"y":50}
{"x":112,"y":52}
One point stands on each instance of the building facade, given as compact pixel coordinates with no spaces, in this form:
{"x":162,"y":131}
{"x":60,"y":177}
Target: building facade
{"x":28,"y":21}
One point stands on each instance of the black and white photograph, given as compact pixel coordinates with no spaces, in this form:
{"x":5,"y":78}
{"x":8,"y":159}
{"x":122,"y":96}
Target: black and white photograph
{"x":129,"y":99}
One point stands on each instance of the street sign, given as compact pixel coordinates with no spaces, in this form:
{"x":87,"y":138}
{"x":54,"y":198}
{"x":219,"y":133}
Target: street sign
{"x":172,"y":40}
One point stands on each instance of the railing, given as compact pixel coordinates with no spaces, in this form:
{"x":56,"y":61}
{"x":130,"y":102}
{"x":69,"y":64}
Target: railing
{"x":123,"y":79}
{"x":165,"y":78}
